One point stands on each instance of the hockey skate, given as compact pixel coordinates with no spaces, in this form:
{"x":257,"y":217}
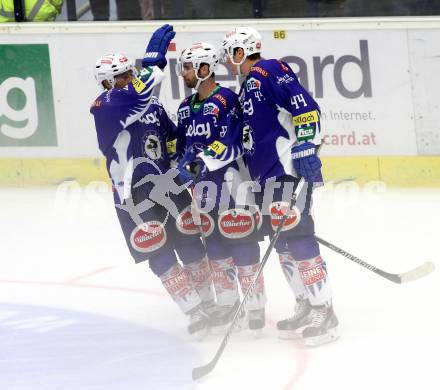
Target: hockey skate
{"x":257,"y":321}
{"x":209,"y":307}
{"x":198,"y":323}
{"x":222,"y":317}
{"x":291,"y":328}
{"x":322,"y":327}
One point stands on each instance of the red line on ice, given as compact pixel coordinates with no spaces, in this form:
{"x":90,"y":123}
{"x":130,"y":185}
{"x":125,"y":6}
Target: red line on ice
{"x":87,"y":275}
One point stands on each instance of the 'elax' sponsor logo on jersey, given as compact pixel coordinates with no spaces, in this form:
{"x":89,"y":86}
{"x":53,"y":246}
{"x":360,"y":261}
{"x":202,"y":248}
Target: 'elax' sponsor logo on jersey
{"x":150,"y":119}
{"x":252,"y":84}
{"x":198,"y":129}
{"x":210,"y":109}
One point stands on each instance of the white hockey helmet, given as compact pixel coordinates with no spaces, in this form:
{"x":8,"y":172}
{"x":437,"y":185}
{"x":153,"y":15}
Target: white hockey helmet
{"x":198,"y":54}
{"x":246,"y":38}
{"x":111,"y":65}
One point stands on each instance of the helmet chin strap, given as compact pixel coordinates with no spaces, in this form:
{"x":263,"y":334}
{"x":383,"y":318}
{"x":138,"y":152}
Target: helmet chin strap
{"x":238,"y":64}
{"x":201,"y":80}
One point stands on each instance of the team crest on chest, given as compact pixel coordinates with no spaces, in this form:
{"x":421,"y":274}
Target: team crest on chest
{"x":152,"y":146}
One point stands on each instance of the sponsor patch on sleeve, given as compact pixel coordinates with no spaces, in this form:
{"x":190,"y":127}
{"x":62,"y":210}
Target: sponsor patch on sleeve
{"x":305,"y":125}
{"x":138,"y":85}
{"x":171,"y":146}
{"x":97,"y":103}
{"x":305,"y":133}
{"x":217,"y":147}
{"x":306,"y":118}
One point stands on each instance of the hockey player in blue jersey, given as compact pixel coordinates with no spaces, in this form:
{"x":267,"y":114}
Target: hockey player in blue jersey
{"x":209,"y":134}
{"x":283,"y":134}
{"x":133,"y":130}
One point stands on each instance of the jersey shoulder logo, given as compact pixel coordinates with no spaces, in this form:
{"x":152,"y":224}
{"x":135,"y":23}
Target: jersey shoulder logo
{"x":260,"y":70}
{"x":211,"y":109}
{"x":221,"y":99}
{"x":96,"y":103}
{"x":283,"y":66}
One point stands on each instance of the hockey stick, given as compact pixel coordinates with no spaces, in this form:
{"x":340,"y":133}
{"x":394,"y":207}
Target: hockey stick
{"x":409,"y":276}
{"x":196,"y":213}
{"x":199,"y":372}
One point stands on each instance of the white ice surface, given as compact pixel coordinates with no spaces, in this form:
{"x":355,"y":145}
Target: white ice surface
{"x":62,"y":255}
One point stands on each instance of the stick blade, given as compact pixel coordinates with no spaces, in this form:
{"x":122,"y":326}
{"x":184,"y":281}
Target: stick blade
{"x":417,"y":273}
{"x":200,"y":372}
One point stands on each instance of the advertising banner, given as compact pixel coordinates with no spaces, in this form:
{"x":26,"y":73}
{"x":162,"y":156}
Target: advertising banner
{"x":27,"y":116}
{"x":365,"y":88}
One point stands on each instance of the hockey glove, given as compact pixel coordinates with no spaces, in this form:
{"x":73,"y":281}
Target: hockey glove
{"x":305,"y":161}
{"x":191,"y":167}
{"x":158,"y":46}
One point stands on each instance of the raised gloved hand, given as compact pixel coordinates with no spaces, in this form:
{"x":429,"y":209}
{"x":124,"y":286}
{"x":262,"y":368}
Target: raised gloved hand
{"x":191,"y":167}
{"x":305,"y":161}
{"x":158,"y":46}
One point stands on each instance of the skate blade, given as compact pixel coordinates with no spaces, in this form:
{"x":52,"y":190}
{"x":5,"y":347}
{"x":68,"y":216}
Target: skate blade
{"x":257,"y":333}
{"x":218,"y":330}
{"x":290,"y":334}
{"x":330,"y":336}
{"x":221,"y":329}
{"x":200,"y":335}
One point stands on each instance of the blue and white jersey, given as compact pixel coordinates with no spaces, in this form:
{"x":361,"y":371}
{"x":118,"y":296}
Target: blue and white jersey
{"x":278,"y":114}
{"x":116,"y":109}
{"x":214,"y":127}
{"x":130,"y":124}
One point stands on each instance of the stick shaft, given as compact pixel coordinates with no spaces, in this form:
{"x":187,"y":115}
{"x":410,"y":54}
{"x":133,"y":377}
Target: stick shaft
{"x":201,"y":371}
{"x":409,"y":276}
